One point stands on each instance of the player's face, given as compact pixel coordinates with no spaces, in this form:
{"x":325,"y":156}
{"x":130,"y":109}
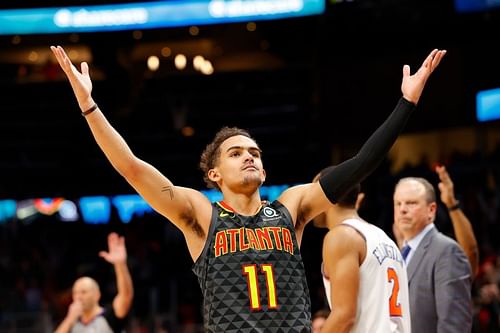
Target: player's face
{"x":412,"y":212}
{"x":239,"y":164}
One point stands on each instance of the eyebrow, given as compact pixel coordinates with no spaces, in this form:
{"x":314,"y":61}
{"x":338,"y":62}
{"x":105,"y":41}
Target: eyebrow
{"x":242,"y":147}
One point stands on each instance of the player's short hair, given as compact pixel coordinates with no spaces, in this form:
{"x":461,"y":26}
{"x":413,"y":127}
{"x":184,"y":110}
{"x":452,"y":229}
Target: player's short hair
{"x":210,"y":156}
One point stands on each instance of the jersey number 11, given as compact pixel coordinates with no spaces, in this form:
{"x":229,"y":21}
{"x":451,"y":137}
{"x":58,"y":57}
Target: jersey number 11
{"x":253,"y":286}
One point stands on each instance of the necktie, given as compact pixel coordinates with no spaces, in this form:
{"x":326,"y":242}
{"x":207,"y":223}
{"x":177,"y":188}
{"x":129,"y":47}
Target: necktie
{"x":405,"y":250}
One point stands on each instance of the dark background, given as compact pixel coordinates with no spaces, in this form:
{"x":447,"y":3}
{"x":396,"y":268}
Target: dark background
{"x":299,"y":85}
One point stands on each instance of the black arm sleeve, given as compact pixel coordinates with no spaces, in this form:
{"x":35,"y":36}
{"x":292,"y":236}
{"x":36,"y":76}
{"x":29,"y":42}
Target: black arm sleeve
{"x":337,"y":181}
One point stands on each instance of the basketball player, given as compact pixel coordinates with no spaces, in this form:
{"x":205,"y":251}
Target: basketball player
{"x":246,"y":251}
{"x":363,"y":273}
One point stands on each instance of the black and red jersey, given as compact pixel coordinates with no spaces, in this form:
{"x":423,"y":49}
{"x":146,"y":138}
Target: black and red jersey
{"x":251,"y":273}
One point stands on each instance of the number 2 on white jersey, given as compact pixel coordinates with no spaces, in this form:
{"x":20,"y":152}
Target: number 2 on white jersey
{"x":394,"y":306}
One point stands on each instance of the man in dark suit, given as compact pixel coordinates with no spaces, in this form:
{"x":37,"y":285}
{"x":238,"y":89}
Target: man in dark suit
{"x":439,"y":272}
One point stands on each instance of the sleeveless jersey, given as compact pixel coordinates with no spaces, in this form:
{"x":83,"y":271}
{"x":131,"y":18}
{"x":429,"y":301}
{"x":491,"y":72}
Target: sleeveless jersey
{"x":383,"y":304}
{"x":251,"y":273}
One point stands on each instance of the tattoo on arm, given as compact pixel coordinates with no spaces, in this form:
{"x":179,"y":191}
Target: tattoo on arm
{"x":170,"y":190}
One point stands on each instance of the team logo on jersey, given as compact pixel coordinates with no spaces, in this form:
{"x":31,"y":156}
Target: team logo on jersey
{"x":270,"y":212}
{"x":226,"y":214}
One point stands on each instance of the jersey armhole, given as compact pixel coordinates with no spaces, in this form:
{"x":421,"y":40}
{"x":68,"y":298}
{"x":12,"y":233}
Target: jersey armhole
{"x":210,"y":233}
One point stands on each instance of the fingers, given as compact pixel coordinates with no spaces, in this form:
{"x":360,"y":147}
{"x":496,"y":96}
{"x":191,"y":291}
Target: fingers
{"x":116,"y":249}
{"x":112,"y":237}
{"x":57,"y":53}
{"x":114,"y":240}
{"x":431,"y":56}
{"x":443,"y":174}
{"x":63,"y":60}
{"x":428,"y":61}
{"x":436,"y":59}
{"x":406,"y":71}
{"x":103,"y":254}
{"x":432,"y":61}
{"x":85,"y":68}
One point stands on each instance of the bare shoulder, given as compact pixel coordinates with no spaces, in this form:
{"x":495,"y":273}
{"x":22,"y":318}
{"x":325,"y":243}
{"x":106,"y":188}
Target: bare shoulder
{"x":293,"y":194}
{"x":343,"y":247}
{"x":198,"y":212}
{"x":291,"y":199}
{"x":342,"y":238}
{"x":304,"y":201}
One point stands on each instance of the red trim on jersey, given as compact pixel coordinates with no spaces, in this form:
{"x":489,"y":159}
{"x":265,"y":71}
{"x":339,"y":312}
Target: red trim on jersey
{"x":226,"y":207}
{"x":230,"y":209}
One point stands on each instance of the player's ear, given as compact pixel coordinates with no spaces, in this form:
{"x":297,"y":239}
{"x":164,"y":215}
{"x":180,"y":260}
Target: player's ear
{"x":213,"y":175}
{"x":359,"y":200}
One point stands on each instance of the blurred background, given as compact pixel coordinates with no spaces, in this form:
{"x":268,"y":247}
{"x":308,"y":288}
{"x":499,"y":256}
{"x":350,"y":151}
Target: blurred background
{"x":310,"y":87}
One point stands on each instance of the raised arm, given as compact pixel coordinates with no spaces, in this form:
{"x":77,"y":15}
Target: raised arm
{"x":337,"y":181}
{"x":315,"y":198}
{"x":117,"y":256}
{"x":461,"y":224}
{"x":180,"y":205}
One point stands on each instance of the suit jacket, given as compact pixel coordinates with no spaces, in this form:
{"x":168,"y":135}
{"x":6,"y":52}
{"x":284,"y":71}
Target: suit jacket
{"x":439,"y":279}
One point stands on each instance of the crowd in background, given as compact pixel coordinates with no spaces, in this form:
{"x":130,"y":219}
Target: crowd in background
{"x":39,"y":260}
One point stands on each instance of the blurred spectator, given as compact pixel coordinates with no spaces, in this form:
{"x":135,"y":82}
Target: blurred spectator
{"x":85,"y":312}
{"x":487,"y":297}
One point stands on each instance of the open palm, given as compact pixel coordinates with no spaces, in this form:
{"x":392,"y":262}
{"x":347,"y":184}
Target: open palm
{"x":413,"y":85}
{"x":80,"y":81}
{"x":117,"y":253}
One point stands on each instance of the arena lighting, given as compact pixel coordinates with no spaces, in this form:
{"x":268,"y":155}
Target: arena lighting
{"x":467,"y":6}
{"x":488,"y":105}
{"x":48,"y":206}
{"x":130,"y":205}
{"x":95,"y":210}
{"x":68,"y":212}
{"x":7,"y":210}
{"x":150,"y":15}
{"x":98,"y":209}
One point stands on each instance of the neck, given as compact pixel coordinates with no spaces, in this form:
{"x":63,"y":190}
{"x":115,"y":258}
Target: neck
{"x":408,"y":236}
{"x":88,"y":316}
{"x":244,"y":204}
{"x":337,"y":215}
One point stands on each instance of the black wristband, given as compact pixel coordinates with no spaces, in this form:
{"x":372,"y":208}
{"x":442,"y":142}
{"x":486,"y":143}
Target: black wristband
{"x":89,"y":111}
{"x":454,"y":207}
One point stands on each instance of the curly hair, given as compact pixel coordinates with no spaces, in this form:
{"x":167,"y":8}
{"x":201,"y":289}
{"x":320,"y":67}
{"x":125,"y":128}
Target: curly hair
{"x":210,"y":156}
